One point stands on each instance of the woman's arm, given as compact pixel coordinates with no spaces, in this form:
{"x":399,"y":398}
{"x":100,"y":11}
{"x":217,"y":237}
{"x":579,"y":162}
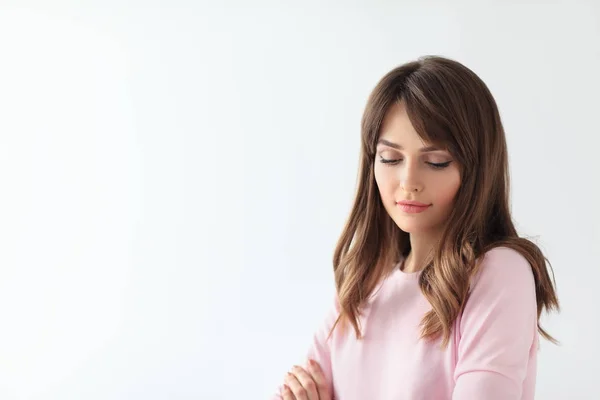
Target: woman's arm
{"x":498,"y":329}
{"x":319,"y":349}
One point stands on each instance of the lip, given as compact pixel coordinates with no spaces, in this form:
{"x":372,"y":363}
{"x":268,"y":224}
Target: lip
{"x":412,"y":203}
{"x":412,"y":207}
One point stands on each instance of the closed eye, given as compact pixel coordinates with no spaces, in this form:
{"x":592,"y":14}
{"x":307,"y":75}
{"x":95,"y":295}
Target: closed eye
{"x":433,"y":165}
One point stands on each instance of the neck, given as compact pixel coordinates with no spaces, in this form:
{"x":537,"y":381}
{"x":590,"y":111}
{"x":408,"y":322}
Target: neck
{"x":421,"y":244}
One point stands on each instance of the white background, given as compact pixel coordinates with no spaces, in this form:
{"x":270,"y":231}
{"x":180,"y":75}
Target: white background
{"x":175,"y":176}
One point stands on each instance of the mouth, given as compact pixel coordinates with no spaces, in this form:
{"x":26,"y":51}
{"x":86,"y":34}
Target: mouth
{"x":411,"y":203}
{"x":412,"y":207}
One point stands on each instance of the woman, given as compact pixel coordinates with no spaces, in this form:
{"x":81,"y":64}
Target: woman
{"x":437,"y":297}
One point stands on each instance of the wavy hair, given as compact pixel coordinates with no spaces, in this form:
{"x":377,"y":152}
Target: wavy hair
{"x":448,"y":104}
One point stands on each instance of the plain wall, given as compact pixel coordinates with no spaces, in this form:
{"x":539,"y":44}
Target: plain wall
{"x":175,"y":176}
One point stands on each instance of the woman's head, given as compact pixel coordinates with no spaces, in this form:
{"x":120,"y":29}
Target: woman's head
{"x":435,"y":101}
{"x":406,"y":168}
{"x":431,"y":132}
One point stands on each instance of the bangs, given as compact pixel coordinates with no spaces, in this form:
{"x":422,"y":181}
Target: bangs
{"x":430,"y":125}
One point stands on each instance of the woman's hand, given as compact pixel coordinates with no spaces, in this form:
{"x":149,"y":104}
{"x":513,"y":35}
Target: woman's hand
{"x":301,"y":384}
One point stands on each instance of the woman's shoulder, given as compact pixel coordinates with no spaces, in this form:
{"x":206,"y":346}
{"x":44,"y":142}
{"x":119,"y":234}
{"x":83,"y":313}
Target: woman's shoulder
{"x":502,"y":289}
{"x":502,"y":265}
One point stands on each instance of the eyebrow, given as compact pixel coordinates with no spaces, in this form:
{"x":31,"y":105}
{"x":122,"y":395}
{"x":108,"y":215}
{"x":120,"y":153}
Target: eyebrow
{"x":397,"y":146}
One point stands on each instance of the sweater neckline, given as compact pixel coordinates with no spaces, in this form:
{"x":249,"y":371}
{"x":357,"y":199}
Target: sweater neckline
{"x":405,"y":275}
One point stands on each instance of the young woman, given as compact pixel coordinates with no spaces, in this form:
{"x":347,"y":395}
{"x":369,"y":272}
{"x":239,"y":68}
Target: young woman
{"x":437,"y":297}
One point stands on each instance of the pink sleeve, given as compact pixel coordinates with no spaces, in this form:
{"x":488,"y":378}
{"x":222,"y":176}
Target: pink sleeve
{"x":319,"y":349}
{"x":497,"y":329}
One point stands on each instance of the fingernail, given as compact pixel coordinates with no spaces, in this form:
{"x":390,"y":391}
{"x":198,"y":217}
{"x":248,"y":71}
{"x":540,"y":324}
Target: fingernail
{"x":286,"y":388}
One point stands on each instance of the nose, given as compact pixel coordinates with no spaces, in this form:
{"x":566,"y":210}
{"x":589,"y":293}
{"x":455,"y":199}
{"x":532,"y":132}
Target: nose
{"x":411,"y":188}
{"x":409,"y":180}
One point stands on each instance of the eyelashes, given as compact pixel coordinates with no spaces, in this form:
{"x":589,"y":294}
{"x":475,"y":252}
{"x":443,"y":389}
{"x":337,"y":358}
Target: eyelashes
{"x":432,"y":165}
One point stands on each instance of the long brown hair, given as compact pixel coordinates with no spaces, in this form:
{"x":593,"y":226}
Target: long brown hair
{"x":447,"y":104}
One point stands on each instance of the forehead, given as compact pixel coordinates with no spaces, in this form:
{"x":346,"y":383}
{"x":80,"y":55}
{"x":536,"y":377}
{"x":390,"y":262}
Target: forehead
{"x":397,"y":121}
{"x":397,"y":131}
{"x":397,"y":126}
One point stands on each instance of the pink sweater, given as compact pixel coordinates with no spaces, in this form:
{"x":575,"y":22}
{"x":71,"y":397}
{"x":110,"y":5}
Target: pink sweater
{"x":491,"y":355}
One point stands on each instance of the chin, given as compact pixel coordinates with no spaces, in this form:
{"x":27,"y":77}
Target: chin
{"x":410,"y":225}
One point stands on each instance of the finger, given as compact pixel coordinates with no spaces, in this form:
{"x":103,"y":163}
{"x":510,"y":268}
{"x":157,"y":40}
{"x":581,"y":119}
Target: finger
{"x":307,"y":382}
{"x":296,"y":387}
{"x":287,"y":393}
{"x":319,"y":377}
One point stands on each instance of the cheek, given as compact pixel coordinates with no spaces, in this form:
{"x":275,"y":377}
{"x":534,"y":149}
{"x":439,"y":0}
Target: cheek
{"x":448,"y":187}
{"x":385,"y":179}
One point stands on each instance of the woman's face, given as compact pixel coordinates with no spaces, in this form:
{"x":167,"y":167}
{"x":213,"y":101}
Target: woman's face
{"x":406,"y":170}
